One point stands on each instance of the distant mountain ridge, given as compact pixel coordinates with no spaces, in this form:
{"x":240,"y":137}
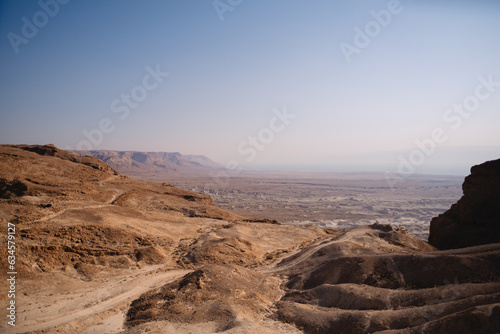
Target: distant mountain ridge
{"x":129,"y":161}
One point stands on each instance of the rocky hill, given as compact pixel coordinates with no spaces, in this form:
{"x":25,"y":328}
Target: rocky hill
{"x":98,"y":252}
{"x":475,"y":218}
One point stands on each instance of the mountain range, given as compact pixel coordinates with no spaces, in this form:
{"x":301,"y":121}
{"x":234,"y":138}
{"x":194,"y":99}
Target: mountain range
{"x":134,"y":161}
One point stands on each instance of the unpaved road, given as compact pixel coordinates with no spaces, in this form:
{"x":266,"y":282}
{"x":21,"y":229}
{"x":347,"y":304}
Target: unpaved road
{"x":142,"y":283}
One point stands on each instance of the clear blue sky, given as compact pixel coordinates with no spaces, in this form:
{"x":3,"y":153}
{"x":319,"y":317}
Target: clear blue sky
{"x":231,"y":64}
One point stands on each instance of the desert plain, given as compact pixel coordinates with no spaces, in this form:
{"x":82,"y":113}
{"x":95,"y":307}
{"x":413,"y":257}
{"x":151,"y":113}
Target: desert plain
{"x":332,"y":200}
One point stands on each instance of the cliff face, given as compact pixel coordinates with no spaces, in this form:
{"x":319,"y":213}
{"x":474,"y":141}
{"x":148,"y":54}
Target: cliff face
{"x":475,"y":218}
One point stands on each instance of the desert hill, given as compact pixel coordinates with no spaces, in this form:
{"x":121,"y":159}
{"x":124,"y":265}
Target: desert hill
{"x":98,"y":252}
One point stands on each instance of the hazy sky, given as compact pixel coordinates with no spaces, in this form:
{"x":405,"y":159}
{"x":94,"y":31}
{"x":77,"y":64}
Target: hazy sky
{"x":259,"y":82}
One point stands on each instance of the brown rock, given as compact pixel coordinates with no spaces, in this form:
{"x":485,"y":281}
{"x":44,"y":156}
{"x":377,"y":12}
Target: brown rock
{"x":475,"y":218}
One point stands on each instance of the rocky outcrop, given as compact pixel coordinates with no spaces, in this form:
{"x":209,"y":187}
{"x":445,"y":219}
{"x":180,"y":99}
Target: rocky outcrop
{"x":475,"y":218}
{"x":11,"y":188}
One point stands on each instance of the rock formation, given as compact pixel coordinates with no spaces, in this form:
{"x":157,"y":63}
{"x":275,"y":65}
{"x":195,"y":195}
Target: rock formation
{"x":475,"y":218}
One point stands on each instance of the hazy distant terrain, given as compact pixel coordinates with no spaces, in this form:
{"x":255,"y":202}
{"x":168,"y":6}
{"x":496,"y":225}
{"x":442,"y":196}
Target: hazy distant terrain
{"x":331,"y":200}
{"x":340,"y":200}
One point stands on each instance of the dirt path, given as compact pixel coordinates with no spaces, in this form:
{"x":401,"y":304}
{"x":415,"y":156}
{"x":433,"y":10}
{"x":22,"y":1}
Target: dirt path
{"x":79,"y":206}
{"x":143,"y":283}
{"x":303,"y":255}
{"x":58,"y":213}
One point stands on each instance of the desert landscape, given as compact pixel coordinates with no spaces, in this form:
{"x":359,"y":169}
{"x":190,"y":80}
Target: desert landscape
{"x":329,"y":200}
{"x":99,"y":252}
{"x":249,"y":167}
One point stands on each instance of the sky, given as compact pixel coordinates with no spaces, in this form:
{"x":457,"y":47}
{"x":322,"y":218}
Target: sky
{"x":410,"y":86}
